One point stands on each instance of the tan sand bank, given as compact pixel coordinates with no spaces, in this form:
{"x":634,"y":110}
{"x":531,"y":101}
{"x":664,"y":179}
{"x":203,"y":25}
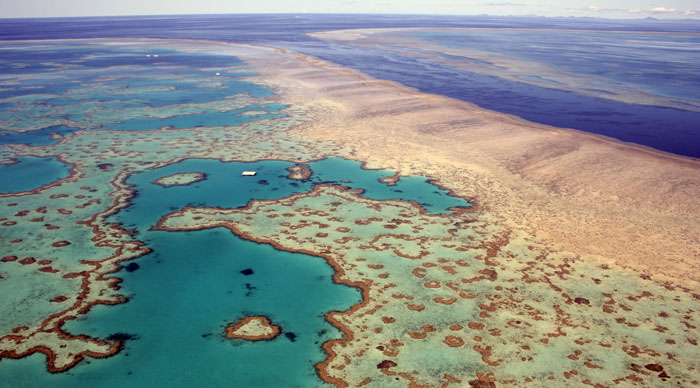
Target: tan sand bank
{"x":180,"y":179}
{"x":595,"y":197}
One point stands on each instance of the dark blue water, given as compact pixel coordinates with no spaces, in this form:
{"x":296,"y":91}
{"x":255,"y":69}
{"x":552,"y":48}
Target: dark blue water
{"x":101,"y":57}
{"x":66,"y":93}
{"x":35,"y":138}
{"x":291,"y":27}
{"x":663,"y":64}
{"x":672,"y":130}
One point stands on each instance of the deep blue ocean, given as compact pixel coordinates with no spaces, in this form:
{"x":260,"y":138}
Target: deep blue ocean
{"x":667,"y":129}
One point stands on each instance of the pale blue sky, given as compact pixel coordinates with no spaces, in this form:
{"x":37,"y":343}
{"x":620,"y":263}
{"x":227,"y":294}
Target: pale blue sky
{"x":602,"y":8}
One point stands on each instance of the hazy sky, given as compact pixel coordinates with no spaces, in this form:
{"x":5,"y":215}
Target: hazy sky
{"x":602,"y":8}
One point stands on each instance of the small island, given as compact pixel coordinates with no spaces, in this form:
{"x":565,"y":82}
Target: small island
{"x":299,"y":172}
{"x":390,"y":180}
{"x":181,"y":179}
{"x":253,"y":328}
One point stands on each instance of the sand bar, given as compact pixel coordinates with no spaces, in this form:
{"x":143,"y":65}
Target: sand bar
{"x":600,"y":199}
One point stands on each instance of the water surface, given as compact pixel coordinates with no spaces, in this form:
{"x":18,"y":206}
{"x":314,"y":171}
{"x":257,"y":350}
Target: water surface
{"x":193,"y":284}
{"x":31,"y":172}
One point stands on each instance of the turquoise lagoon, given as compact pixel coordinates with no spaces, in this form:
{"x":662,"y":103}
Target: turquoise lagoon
{"x":193,"y":284}
{"x":184,"y":293}
{"x":31,"y":172}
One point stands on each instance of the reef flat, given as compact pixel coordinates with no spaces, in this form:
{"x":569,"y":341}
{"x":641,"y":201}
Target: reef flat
{"x":60,"y":248}
{"x":453,"y":298}
{"x":576,"y":264}
{"x":180,"y":179}
{"x":253,"y":329}
{"x":579,"y":192}
{"x":595,"y":200}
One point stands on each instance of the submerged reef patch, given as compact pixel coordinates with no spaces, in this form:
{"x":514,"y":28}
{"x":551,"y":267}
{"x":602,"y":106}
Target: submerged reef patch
{"x":180,"y":179}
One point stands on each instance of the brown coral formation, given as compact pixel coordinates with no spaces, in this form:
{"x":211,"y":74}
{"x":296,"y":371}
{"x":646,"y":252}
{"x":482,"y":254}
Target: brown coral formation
{"x":577,"y":192}
{"x":568,"y":233}
{"x":513,"y":297}
{"x":299,"y":172}
{"x":64,"y":350}
{"x":253,"y":328}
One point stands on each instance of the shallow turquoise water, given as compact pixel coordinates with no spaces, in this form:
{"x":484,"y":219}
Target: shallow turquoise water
{"x":30,"y":173}
{"x":184,"y":293}
{"x":411,"y":188}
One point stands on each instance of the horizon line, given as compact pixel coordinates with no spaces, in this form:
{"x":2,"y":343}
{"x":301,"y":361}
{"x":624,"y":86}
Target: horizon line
{"x":648,"y":18}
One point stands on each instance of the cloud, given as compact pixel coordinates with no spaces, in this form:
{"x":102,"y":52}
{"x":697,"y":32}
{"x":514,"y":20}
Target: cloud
{"x":595,"y":8}
{"x":503,"y":4}
{"x":662,"y":10}
{"x":638,"y":11}
{"x":666,"y":11}
{"x":671,"y":12}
